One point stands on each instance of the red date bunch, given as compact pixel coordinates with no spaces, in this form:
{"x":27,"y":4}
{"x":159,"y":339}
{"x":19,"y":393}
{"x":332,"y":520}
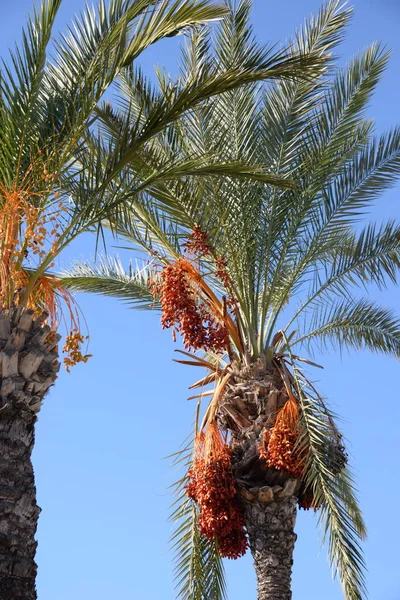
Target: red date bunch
{"x":198,"y":245}
{"x":185,"y":311}
{"x":278,"y":448}
{"x":212,"y":486}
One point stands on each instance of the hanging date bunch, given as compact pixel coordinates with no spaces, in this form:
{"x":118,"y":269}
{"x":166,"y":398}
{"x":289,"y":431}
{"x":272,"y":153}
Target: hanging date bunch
{"x":188,"y":304}
{"x":73,"y":349}
{"x":197,"y":243}
{"x":279,"y":444}
{"x":32,"y":217}
{"x":184,"y":308}
{"x":307,"y":500}
{"x":198,"y":246}
{"x":49,"y":295}
{"x":212,"y":486}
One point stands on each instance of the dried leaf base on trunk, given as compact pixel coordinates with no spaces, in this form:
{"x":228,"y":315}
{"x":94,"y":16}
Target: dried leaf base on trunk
{"x":28,"y":367}
{"x":270,"y":526}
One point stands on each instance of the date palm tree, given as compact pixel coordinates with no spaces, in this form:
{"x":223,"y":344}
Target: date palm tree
{"x":54,"y":185}
{"x":254,"y":275}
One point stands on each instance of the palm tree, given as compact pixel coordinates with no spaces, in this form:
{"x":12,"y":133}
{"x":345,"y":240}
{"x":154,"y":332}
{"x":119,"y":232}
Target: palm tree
{"x":252,"y":274}
{"x":54,"y":185}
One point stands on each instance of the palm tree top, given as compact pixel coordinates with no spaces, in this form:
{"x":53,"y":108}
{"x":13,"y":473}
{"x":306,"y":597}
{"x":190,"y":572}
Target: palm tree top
{"x":286,"y":249}
{"x":285,"y":255}
{"x":61,"y":174}
{"x":53,"y":184}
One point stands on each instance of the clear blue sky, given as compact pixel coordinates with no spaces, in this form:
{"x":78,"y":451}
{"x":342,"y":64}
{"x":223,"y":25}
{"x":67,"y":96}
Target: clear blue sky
{"x":105,"y":428}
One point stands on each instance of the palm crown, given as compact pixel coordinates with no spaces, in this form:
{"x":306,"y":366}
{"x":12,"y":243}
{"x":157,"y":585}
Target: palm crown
{"x":54,"y":180}
{"x":251,"y":272}
{"x":46,"y":107}
{"x":58,"y":178}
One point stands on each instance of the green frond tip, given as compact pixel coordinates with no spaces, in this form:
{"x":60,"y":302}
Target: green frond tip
{"x":355,"y":324}
{"x":109,"y":278}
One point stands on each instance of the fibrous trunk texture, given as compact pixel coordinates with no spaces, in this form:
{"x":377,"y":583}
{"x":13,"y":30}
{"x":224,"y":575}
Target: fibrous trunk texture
{"x":249,"y":407}
{"x":272,"y":538}
{"x":28,"y":367}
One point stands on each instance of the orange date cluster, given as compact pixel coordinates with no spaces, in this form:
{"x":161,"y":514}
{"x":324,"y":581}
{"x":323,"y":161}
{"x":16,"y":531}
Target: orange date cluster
{"x":279,"y":444}
{"x":183,"y":309}
{"x":212,"y":486}
{"x":279,"y":448}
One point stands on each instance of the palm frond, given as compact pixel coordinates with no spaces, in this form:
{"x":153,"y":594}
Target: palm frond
{"x":95,"y":49}
{"x":339,"y":129}
{"x":362,"y":180}
{"x":288,"y":120}
{"x":169,"y":19}
{"x":288,"y":107}
{"x":109,"y":278}
{"x":371,"y":257}
{"x":322,"y":231}
{"x":340,"y":517}
{"x":22,"y":92}
{"x":354,"y":325}
{"x":199,"y":571}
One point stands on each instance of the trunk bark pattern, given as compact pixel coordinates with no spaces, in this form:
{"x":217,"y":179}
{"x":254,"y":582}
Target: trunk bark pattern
{"x":272,"y":538}
{"x":28,"y":367}
{"x":251,"y":401}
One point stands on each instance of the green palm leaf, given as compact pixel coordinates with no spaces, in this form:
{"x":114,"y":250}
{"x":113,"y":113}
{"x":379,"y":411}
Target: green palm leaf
{"x":355,"y":324}
{"x":340,"y":516}
{"x":278,"y":175}
{"x":332,"y":487}
{"x":109,"y":278}
{"x":199,"y":571}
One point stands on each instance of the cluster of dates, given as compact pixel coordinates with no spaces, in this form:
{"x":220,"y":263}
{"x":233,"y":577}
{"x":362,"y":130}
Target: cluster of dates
{"x":72,"y":348}
{"x":184,"y":309}
{"x":279,"y":444}
{"x":198,"y":245}
{"x":188,"y":305}
{"x":212,"y":486}
{"x":280,"y":449}
{"x":30,"y":232}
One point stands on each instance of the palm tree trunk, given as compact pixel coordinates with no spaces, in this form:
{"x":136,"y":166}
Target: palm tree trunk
{"x":28,"y":367}
{"x":18,"y":510}
{"x":272,"y":538}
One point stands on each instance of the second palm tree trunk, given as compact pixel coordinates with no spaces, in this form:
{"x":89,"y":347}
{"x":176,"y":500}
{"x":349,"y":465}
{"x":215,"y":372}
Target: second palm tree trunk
{"x":272,"y":538}
{"x":18,"y":509}
{"x":28,"y":367}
